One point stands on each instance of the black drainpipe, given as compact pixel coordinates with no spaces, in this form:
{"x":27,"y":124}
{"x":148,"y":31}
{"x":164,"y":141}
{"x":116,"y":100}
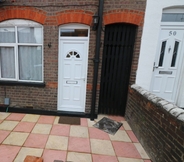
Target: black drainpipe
{"x":96,"y":58}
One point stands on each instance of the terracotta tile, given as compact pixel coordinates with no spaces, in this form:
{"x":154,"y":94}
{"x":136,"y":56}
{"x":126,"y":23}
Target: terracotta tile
{"x":46,"y":119}
{"x":33,"y":159}
{"x":16,"y":138}
{"x":3,"y":115}
{"x":79,"y":144}
{"x":141,"y":151}
{"x":120,"y":135}
{"x":36,"y":141}
{"x":122,"y":159}
{"x":51,"y":155}
{"x":42,"y":128}
{"x":8,"y":125}
{"x":79,"y":131}
{"x":98,"y":134}
{"x":132,"y":136}
{"x":104,"y":158}
{"x":84,"y":122}
{"x":24,"y":127}
{"x":3,"y":135}
{"x":57,"y":143}
{"x":28,"y":151}
{"x":79,"y":157}
{"x":60,"y":130}
{"x":15,"y":116}
{"x":8,"y":153}
{"x":117,"y":118}
{"x":31,"y":118}
{"x":103,"y":147}
{"x":126,"y":125}
{"x":124,"y":149}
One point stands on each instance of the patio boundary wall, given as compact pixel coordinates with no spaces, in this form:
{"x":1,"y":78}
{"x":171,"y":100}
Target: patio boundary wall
{"x":158,"y":125}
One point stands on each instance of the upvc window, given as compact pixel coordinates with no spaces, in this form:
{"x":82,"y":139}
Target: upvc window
{"x":21,"y":51}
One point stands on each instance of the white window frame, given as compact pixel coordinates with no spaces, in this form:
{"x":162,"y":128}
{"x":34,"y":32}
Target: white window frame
{"x":15,"y":24}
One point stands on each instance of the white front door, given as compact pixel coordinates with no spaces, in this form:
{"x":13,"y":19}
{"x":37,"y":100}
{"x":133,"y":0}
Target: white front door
{"x":72,"y":75}
{"x":166,"y":68}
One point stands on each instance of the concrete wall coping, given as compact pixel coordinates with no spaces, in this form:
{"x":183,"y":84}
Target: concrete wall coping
{"x":166,"y":105}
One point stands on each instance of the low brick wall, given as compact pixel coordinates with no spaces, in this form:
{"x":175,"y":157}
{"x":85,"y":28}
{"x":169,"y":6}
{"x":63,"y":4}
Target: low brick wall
{"x":158,"y":124}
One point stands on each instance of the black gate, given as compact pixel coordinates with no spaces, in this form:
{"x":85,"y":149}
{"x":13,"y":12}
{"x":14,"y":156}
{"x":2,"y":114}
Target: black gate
{"x":116,"y":66}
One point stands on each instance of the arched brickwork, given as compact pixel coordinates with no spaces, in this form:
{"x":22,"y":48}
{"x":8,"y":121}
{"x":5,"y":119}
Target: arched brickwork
{"x":28,"y":13}
{"x":74,"y":16}
{"x":126,"y":16}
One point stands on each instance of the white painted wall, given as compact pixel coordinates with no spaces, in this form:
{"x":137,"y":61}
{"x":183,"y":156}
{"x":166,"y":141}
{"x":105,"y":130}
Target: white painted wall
{"x":149,"y":42}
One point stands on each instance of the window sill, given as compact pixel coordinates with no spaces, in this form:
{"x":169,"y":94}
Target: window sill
{"x":14,"y":83}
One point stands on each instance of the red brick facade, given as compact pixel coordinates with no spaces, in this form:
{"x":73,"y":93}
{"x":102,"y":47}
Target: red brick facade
{"x":53,"y":14}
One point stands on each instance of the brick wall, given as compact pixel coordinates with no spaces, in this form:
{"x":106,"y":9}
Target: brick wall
{"x":53,"y":13}
{"x":158,"y":124}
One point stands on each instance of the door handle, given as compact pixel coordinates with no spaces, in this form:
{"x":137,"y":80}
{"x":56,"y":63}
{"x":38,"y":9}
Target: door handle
{"x":154,"y":66}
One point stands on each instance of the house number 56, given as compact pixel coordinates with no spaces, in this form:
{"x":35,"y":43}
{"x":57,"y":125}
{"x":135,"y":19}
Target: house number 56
{"x":172,"y":33}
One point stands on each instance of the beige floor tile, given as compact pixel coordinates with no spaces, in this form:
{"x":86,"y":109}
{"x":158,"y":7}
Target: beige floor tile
{"x":3,"y":115}
{"x":78,"y":131}
{"x":42,"y":128}
{"x":16,"y":138}
{"x":56,"y":120}
{"x":91,"y":123}
{"x":126,"y":125}
{"x":100,"y":117}
{"x":121,"y":159}
{"x":120,"y":135}
{"x":31,"y":118}
{"x":141,"y":151}
{"x":28,"y":151}
{"x":57,"y":143}
{"x":103,"y":147}
{"x":8,"y":125}
{"x":79,"y":157}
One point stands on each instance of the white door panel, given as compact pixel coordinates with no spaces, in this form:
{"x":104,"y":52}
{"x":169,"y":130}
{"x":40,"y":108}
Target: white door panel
{"x":168,"y":63}
{"x":72,"y":71}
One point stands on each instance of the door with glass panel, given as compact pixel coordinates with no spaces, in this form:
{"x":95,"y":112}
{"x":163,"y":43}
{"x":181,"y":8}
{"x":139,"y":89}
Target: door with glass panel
{"x":73,"y":54}
{"x":167,"y":64}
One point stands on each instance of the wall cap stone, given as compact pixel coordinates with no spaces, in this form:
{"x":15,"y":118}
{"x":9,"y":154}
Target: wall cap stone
{"x":166,"y":105}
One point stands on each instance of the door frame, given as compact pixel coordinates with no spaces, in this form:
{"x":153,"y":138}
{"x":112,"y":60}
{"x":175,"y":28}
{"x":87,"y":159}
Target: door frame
{"x":60,"y":60}
{"x":175,"y":26}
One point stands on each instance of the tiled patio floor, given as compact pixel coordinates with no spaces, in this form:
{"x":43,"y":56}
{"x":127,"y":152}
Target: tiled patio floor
{"x":42,"y":136}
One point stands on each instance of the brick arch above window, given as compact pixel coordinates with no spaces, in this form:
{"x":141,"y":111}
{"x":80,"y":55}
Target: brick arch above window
{"x":74,"y":16}
{"x":28,"y":13}
{"x":124,"y":16}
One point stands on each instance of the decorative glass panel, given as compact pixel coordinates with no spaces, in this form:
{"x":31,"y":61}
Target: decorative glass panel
{"x":30,"y":35}
{"x":74,"y":32}
{"x":73,"y":54}
{"x":162,"y":52}
{"x":30,"y":63}
{"x":7,"y":62}
{"x":175,"y":52}
{"x":7,"y":35}
{"x":173,"y":17}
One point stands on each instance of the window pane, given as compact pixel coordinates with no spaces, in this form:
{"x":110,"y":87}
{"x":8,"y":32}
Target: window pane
{"x":173,"y":17}
{"x":30,"y":63}
{"x":30,"y":35}
{"x":162,"y":52}
{"x":7,"y":62}
{"x":174,"y":54}
{"x":74,"y":32}
{"x":7,"y":35}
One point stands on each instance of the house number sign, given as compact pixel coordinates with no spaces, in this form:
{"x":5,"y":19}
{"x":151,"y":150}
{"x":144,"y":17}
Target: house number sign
{"x":172,"y":33}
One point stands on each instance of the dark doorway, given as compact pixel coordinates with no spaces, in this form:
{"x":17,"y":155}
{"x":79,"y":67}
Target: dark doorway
{"x":116,"y":65}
